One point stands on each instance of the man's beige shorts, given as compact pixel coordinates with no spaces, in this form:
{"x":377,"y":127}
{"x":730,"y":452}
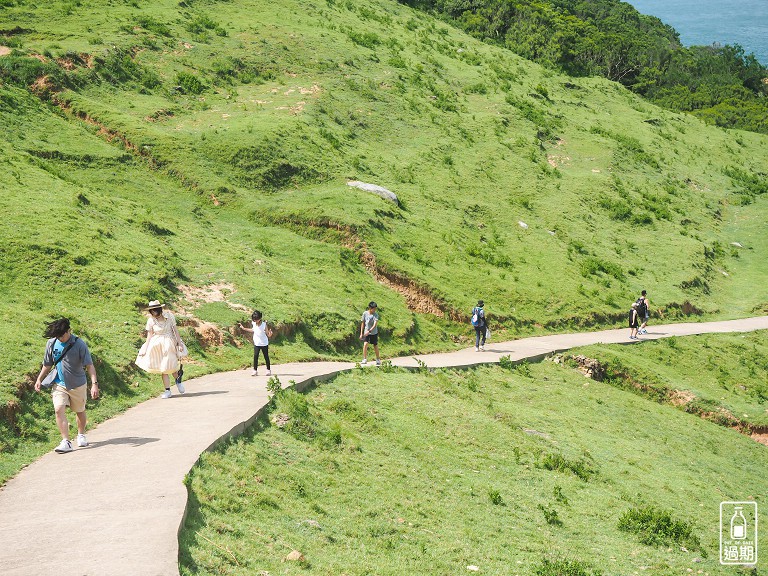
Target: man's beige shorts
{"x":74,"y":398}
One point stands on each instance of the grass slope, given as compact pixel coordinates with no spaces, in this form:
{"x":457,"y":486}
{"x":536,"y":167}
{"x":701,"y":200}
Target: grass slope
{"x":527,"y":471}
{"x":722,"y":376}
{"x":172,"y":150}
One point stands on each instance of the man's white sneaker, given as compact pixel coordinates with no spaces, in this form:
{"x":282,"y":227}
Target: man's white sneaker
{"x":254,"y":373}
{"x":166,"y":394}
{"x":378,"y":362}
{"x":180,"y":387}
{"x":81,"y":441}
{"x":482,"y":348}
{"x":269,"y":372}
{"x":65,"y":446}
{"x":477,"y":349}
{"x":363,"y":361}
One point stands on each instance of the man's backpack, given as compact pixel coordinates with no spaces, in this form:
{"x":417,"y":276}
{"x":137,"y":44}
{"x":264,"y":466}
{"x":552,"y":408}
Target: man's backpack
{"x":642,"y":309}
{"x":477,"y":316}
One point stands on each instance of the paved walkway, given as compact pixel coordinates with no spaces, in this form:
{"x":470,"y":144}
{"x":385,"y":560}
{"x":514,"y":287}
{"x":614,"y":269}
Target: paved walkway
{"x":115,"y":508}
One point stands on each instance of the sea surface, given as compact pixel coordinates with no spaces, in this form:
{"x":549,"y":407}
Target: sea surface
{"x":704,"y":22}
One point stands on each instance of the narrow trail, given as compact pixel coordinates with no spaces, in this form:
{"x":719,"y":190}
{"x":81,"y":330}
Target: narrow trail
{"x":116,"y":507}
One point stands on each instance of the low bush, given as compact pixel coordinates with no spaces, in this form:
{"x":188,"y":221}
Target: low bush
{"x":657,"y":527}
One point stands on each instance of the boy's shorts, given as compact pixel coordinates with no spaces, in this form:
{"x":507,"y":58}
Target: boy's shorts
{"x":74,"y":398}
{"x":372,"y":339}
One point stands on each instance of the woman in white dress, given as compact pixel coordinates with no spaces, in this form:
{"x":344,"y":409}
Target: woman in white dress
{"x":163,"y":350}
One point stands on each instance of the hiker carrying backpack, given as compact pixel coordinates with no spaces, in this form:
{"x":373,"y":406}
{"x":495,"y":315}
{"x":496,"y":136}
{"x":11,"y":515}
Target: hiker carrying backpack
{"x":478,"y":322}
{"x":642,"y":308}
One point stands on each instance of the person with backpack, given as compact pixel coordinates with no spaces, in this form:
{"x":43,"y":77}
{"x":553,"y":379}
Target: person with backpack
{"x":633,"y":321}
{"x":369,"y":332}
{"x":67,"y":359}
{"x":643,"y":311}
{"x":480,"y":325}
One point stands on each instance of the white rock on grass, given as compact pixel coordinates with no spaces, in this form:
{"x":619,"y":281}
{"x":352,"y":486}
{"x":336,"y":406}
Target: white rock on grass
{"x":378,"y":190}
{"x":523,"y":225}
{"x":737,"y":244}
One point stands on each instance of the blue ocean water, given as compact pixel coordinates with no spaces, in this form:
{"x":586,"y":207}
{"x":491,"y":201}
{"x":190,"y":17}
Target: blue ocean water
{"x":702,"y":22}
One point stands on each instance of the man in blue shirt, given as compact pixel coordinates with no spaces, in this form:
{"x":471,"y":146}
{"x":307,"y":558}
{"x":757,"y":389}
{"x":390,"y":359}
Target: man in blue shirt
{"x":70,"y":357}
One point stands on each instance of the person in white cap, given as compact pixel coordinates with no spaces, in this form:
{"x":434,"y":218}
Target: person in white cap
{"x":164,"y":349}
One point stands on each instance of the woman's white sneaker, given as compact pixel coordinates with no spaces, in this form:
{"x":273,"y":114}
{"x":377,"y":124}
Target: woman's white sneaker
{"x":166,"y":394}
{"x":81,"y":441}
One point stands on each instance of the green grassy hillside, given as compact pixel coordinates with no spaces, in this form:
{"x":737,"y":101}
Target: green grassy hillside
{"x":522,"y":471}
{"x":722,"y":377}
{"x":199,"y":152}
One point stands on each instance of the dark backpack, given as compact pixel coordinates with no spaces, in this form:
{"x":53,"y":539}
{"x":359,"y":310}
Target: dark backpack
{"x":642,"y":309}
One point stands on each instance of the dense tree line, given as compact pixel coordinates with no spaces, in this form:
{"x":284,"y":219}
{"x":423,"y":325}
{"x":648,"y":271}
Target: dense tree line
{"x":720,"y":84}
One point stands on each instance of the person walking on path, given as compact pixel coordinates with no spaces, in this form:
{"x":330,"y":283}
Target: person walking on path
{"x":164,"y":349}
{"x":261,"y":336}
{"x":480,"y":325}
{"x":369,"y":332}
{"x":644,"y":311}
{"x":69,"y":357}
{"x":633,"y":321}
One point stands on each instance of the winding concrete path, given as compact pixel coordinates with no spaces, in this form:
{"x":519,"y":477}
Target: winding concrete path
{"x":115,"y":508}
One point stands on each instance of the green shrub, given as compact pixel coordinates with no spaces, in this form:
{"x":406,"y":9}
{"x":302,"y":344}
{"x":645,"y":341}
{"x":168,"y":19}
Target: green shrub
{"x":366,"y":39}
{"x":274,"y":387}
{"x":656,"y":527}
{"x":189,"y":83}
{"x":202,"y":23}
{"x":592,"y":265}
{"x":152,"y":25}
{"x":495,"y":497}
{"x":565,"y":568}
{"x":24,"y":71}
{"x":557,"y":462}
{"x":550,"y":515}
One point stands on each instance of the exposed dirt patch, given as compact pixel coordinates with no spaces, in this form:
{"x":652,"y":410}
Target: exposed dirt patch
{"x":42,"y":86}
{"x":556,"y":160}
{"x":9,"y":412}
{"x":4,"y":50}
{"x":681,"y":397}
{"x":419,"y":298}
{"x":211,"y":293}
{"x":159,"y":115}
{"x":760,"y":434}
{"x":590,"y":367}
{"x":209,"y":335}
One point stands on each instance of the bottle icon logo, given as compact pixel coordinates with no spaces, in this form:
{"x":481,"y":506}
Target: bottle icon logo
{"x":738,"y":533}
{"x":738,"y":525}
